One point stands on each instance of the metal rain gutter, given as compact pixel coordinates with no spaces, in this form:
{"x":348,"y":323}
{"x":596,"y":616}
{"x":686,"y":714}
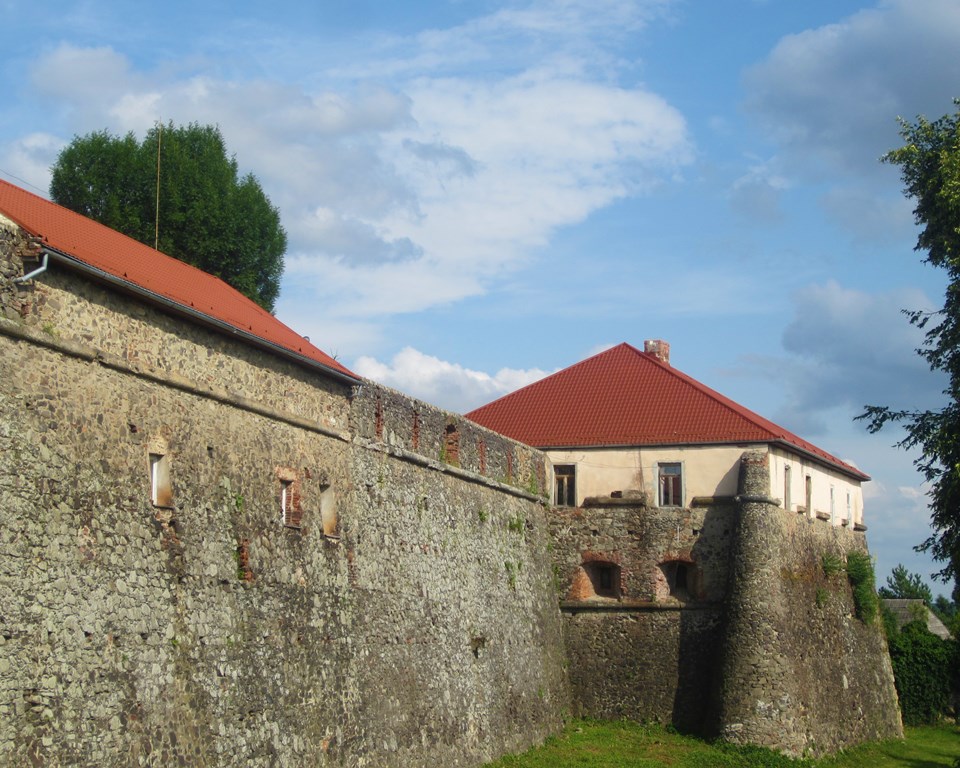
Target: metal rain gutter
{"x":38,"y":271}
{"x":130,"y":287}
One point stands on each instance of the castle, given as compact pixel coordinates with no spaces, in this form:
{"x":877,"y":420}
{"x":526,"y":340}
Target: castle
{"x":219,"y":546}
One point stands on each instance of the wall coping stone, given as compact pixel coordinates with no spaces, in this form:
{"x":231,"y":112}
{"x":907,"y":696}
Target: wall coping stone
{"x":439,"y":466}
{"x":82,"y":351}
{"x":636,"y":606}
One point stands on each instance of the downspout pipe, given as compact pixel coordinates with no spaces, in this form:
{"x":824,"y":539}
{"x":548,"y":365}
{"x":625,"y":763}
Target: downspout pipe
{"x":38,"y":271}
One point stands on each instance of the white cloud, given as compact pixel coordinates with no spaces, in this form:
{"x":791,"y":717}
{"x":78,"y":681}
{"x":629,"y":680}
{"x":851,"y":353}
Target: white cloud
{"x":830,"y":95}
{"x":848,"y":349}
{"x":756,"y":195}
{"x":448,"y":385}
{"x":420,"y":186}
{"x":868,"y":215}
{"x":27,"y":160}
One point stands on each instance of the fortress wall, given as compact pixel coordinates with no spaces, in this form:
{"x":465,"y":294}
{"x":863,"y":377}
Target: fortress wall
{"x":384,"y":627}
{"x":651,"y":653}
{"x":800,"y":671}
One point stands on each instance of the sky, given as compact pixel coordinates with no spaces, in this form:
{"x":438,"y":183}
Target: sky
{"x":478,"y":193}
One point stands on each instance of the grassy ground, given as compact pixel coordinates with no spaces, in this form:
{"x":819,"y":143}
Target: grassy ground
{"x":628,"y":745}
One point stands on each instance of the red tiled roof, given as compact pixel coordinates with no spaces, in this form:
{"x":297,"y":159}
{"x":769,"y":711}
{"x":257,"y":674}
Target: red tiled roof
{"x":141,"y":267}
{"x":625,"y":397}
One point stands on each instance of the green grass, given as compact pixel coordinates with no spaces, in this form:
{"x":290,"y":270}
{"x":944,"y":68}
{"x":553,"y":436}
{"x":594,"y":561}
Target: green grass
{"x":589,"y":744}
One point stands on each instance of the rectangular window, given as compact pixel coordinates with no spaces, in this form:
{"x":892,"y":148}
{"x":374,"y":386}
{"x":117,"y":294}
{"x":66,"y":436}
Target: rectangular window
{"x":833,"y":506}
{"x":670,"y":484}
{"x":809,"y":494}
{"x":565,"y":490}
{"x":849,"y":519}
{"x":161,"y":494}
{"x":288,"y":511}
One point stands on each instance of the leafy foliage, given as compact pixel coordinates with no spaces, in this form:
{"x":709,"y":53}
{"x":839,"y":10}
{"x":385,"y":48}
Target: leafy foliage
{"x":923,"y":667}
{"x":832,"y":564}
{"x":208,"y":215}
{"x":905,"y":585}
{"x":860,"y":576}
{"x":930,"y":168}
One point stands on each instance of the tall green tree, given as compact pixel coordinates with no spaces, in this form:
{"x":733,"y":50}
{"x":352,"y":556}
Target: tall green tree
{"x":905,"y":585}
{"x":929,"y":163}
{"x":208,"y":214}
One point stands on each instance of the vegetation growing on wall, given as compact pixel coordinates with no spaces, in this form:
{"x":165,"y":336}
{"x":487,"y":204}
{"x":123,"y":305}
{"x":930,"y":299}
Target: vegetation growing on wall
{"x":860,"y":576}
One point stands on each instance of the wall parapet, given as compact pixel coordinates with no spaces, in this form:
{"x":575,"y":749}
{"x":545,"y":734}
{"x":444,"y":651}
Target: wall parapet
{"x":204,"y":561}
{"x":81,"y":351}
{"x":446,"y":441}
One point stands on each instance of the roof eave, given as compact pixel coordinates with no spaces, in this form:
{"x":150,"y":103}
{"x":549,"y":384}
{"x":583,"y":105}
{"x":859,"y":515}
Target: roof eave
{"x":839,"y":467}
{"x":844,"y":469}
{"x":128,"y":286}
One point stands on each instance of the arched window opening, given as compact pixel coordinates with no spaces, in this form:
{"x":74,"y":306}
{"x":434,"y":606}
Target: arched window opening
{"x":604,"y":579}
{"x":680,"y":580}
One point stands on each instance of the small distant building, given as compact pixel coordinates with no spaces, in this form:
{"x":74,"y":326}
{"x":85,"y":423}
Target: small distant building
{"x":625,"y":422}
{"x":905,"y":611}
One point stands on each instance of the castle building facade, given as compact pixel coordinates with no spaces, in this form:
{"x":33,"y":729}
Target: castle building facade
{"x":219,"y":546}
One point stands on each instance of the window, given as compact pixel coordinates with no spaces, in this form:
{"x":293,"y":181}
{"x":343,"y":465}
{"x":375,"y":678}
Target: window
{"x":604,"y":578}
{"x":328,"y":511}
{"x":290,"y":510}
{"x":809,"y":494}
{"x":565,"y":492}
{"x":681,"y":581}
{"x":848,"y":518}
{"x":286,"y":500}
{"x":289,"y":499}
{"x":833,"y":505}
{"x":161,"y":494}
{"x":671,"y":485}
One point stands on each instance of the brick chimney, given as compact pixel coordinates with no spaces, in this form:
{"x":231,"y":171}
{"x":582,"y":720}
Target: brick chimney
{"x":659,"y":348}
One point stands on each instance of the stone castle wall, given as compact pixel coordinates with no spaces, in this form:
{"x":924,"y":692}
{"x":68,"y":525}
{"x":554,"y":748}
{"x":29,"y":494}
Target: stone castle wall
{"x":650,"y":654}
{"x":404,"y":615}
{"x":345,"y":576}
{"x":760,"y":645}
{"x":800,"y":671}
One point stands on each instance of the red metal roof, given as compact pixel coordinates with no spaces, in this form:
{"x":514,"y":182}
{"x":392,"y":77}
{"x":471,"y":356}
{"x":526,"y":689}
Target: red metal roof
{"x":625,"y":397}
{"x":142,"y":267}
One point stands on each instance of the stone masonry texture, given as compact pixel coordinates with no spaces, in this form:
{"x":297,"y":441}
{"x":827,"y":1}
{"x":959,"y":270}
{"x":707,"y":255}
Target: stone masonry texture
{"x":762,"y":647}
{"x":211,"y":556}
{"x":408,"y":620}
{"x":800,"y":670}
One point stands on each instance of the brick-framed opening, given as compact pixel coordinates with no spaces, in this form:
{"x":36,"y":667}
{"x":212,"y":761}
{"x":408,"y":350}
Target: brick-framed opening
{"x":451,"y":445}
{"x":598,"y":576}
{"x":289,"y":501}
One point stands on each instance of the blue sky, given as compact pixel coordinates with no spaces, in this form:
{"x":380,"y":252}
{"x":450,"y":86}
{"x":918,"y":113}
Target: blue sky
{"x":477,"y":193}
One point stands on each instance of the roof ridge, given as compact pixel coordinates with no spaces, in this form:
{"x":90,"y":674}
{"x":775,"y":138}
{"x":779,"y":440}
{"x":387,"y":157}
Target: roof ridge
{"x":547,"y":378}
{"x":775,"y":430}
{"x":631,"y":412}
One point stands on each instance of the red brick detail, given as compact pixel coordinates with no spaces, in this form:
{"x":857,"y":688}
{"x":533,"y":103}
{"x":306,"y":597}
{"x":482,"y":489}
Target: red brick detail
{"x":451,"y":445}
{"x":243,"y":560}
{"x":582,"y":588}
